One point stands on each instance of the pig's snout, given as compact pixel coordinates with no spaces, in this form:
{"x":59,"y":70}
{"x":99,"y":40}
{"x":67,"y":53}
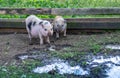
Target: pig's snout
{"x":50,"y":33}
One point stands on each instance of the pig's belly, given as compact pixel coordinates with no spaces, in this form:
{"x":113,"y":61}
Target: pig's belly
{"x":35,"y":33}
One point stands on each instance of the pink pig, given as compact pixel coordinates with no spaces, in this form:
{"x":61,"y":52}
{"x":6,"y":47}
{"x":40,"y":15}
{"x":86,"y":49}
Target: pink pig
{"x":38,"y":28}
{"x":59,"y":26}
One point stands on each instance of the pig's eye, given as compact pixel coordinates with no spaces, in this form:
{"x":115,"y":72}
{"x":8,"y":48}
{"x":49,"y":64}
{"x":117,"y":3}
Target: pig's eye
{"x":45,"y":29}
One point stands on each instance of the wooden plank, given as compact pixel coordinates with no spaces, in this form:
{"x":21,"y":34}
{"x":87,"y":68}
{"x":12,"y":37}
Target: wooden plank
{"x":93,"y":20}
{"x":25,"y":11}
{"x":69,"y":31}
{"x":81,"y":23}
{"x":84,"y":11}
{"x":12,"y":30}
{"x":68,"y":19}
{"x":60,"y":11}
{"x":94,"y":25}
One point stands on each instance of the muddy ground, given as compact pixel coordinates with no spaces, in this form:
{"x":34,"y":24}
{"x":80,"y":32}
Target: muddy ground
{"x":14,"y":44}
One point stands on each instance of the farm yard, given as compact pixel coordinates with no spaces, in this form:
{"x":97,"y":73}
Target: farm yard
{"x":18,"y":58}
{"x":91,"y":48}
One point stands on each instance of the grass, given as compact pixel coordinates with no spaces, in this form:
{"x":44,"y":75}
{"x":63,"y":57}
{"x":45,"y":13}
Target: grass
{"x":18,"y":72}
{"x":80,"y":48}
{"x":59,"y":4}
{"x":77,"y":53}
{"x":88,"y":44}
{"x":53,"y":16}
{"x":25,"y":71}
{"x":74,"y":53}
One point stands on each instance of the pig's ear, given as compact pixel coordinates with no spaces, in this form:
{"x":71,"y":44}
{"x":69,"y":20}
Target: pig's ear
{"x":34,"y":23}
{"x":41,"y":24}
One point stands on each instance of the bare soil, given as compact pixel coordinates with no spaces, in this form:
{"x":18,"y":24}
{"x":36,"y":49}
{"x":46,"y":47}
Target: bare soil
{"x":13,"y":44}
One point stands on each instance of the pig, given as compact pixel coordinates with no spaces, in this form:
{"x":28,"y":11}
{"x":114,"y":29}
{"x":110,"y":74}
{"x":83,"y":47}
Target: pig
{"x":59,"y":26}
{"x":38,"y":28}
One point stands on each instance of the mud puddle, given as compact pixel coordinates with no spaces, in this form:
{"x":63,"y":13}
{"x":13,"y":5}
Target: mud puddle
{"x":96,"y":66}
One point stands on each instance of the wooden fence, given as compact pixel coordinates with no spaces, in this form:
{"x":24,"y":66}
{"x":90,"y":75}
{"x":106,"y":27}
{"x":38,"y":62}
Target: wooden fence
{"x":60,"y":11}
{"x":73,"y":23}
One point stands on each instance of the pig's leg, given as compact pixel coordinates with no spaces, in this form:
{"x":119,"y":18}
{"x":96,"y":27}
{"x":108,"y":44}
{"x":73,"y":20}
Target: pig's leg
{"x":57,"y":35}
{"x":48,"y":40}
{"x":30,"y":37}
{"x":64,"y":33}
{"x":41,"y":39}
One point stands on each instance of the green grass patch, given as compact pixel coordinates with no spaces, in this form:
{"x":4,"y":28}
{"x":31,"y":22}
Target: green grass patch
{"x":24,"y":70}
{"x":70,"y":16}
{"x":19,"y":72}
{"x":72,"y":53}
{"x":81,"y":48}
{"x":59,"y":3}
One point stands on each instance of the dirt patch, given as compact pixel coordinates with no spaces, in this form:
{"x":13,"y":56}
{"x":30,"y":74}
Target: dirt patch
{"x":14,"y":44}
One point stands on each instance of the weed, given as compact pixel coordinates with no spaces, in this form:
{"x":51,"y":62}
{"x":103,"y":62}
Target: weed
{"x":25,"y":71}
{"x":59,"y":4}
{"x":95,"y":48}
